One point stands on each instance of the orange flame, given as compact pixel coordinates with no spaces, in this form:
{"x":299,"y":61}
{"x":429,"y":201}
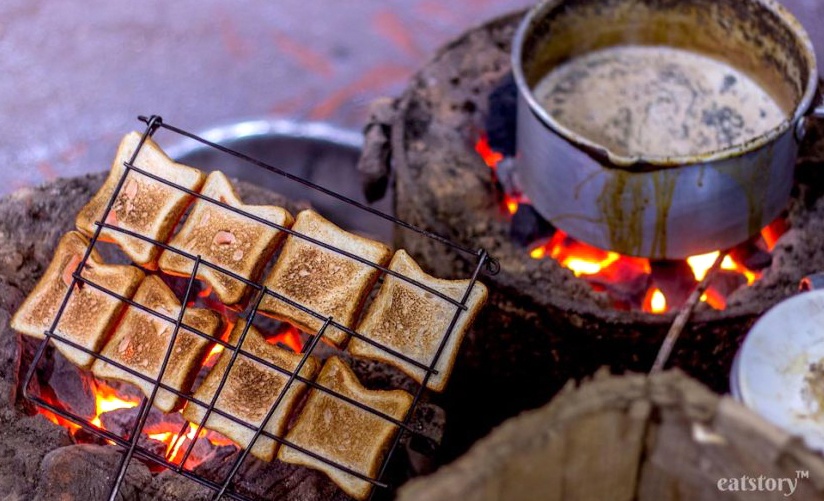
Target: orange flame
{"x":580,"y":258}
{"x":655,"y":302}
{"x":212,"y":357}
{"x":489,"y":156}
{"x":54,"y":418}
{"x":176,"y":445}
{"x":205,"y":292}
{"x":702,"y":263}
{"x":289,"y":338}
{"x":773,"y":232}
{"x":107,"y":399}
{"x":586,"y":261}
{"x":714,"y":298}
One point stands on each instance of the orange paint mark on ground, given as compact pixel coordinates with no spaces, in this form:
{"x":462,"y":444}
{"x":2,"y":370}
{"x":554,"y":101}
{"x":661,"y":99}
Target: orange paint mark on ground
{"x":391,"y":27}
{"x":373,"y":79}
{"x":47,"y":170}
{"x":303,"y":55}
{"x":235,"y":44}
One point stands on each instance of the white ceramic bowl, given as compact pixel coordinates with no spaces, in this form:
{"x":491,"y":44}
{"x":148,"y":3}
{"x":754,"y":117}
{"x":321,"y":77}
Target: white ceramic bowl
{"x":770,"y":371}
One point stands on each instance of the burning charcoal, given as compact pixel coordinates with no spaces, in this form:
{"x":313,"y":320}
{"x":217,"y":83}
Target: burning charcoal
{"x":178,"y":285}
{"x":124,"y":390}
{"x":626,"y":285}
{"x":152,"y":446}
{"x":122,"y":421}
{"x":726,"y":282}
{"x":528,"y":226}
{"x":72,"y":387}
{"x":507,"y":175}
{"x":675,"y":279}
{"x":502,"y":117}
{"x":751,"y":256}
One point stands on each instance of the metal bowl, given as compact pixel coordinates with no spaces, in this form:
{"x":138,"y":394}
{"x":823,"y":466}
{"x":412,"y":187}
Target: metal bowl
{"x":318,"y":152}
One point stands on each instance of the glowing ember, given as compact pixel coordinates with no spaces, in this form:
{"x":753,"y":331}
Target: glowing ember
{"x":729,"y":264}
{"x":205,"y":292}
{"x":773,"y":232}
{"x":54,"y":418}
{"x":714,"y":298}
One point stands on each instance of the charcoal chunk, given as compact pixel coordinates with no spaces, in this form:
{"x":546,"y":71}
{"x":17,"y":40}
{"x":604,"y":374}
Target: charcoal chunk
{"x":528,"y":226}
{"x":501,"y":122}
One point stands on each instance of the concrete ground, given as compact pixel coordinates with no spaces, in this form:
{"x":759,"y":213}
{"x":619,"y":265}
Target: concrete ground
{"x":76,"y":74}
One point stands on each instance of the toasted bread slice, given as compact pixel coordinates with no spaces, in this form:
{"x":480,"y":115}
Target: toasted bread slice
{"x":141,"y":339}
{"x":250,"y":391}
{"x":225,"y":238}
{"x":412,"y":321}
{"x":143,"y":205}
{"x":320,"y":279}
{"x":90,"y":313}
{"x":338,"y":431}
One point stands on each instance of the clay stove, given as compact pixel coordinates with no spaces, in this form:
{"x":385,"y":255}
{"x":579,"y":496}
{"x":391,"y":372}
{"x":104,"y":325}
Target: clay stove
{"x":555,"y":311}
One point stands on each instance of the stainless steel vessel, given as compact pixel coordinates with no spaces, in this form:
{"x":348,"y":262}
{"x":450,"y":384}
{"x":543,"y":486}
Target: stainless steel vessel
{"x":663,"y":207}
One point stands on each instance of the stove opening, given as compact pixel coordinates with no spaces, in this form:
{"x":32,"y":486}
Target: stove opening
{"x":630,"y":283}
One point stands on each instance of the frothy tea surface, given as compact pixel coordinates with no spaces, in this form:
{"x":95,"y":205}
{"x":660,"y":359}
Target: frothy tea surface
{"x":657,"y":101}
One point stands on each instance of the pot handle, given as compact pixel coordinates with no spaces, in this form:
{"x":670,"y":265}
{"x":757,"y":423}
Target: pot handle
{"x":816,"y":112}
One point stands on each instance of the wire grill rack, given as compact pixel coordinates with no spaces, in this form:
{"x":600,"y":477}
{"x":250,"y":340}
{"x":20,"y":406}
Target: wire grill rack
{"x":224,"y":488}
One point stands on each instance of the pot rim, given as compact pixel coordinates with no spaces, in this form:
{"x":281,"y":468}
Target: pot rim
{"x":651,"y":162}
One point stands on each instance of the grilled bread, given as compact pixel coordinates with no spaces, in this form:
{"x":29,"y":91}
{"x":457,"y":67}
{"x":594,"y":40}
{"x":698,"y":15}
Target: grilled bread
{"x":90,"y":313}
{"x":412,"y":321}
{"x":227,"y":239}
{"x":340,"y":432}
{"x":250,"y":391}
{"x":141,"y":339}
{"x":320,"y":279}
{"x":143,"y":205}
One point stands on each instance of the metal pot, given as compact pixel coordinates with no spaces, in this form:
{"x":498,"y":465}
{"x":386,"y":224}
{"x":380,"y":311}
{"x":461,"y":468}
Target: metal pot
{"x":653,"y":206}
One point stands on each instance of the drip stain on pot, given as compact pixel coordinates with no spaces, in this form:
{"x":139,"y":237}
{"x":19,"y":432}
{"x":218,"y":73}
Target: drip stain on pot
{"x":657,"y":101}
{"x":664,"y":182}
{"x":622,"y":205}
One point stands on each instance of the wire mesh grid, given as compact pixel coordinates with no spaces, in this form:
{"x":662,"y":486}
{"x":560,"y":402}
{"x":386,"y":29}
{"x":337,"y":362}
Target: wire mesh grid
{"x":225,"y":488}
